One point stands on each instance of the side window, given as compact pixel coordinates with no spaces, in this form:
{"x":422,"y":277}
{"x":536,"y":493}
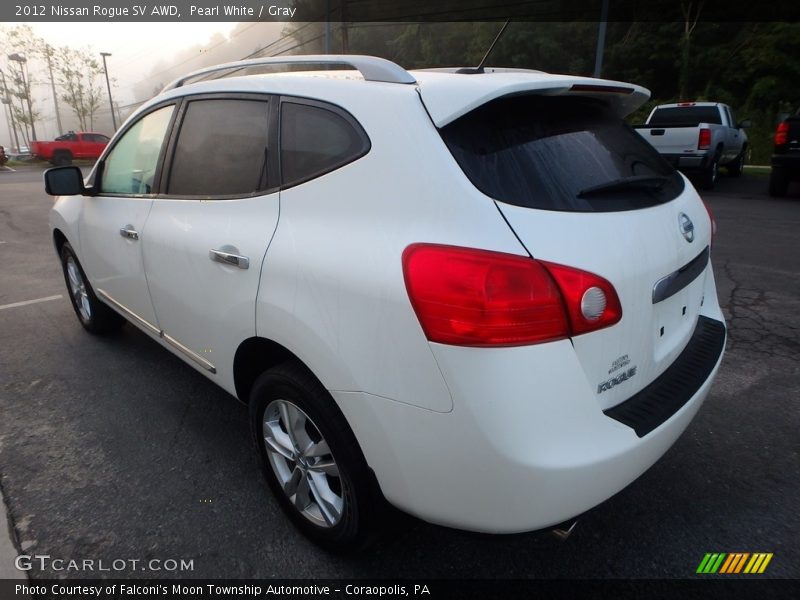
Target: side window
{"x":131,"y":164}
{"x":315,"y":141}
{"x":221,"y":149}
{"x":732,"y":118}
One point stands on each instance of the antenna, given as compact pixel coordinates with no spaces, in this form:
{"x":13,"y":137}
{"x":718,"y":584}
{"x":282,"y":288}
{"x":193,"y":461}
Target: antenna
{"x":479,"y":68}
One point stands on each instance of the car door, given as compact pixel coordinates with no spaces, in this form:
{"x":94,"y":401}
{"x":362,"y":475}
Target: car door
{"x":209,"y":231}
{"x":113,"y":221}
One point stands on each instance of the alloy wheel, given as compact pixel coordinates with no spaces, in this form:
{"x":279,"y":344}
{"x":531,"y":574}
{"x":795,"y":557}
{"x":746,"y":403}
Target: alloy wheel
{"x":303,"y":463}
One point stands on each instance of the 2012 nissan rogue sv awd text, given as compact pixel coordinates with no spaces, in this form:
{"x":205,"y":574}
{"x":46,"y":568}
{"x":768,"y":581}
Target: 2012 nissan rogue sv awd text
{"x":480,"y":297}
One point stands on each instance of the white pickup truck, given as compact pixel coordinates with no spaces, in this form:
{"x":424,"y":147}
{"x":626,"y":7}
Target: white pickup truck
{"x":698,"y":137}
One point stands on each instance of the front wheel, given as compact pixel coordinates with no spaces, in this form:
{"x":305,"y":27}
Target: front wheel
{"x":95,"y":316}
{"x":311,"y":459}
{"x":737,"y":166}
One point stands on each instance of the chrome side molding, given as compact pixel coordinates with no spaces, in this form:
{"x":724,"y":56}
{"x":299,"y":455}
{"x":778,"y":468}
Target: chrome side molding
{"x":149,"y":327}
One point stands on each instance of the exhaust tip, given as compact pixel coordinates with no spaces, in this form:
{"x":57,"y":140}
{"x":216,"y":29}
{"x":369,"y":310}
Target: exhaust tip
{"x":563,"y":531}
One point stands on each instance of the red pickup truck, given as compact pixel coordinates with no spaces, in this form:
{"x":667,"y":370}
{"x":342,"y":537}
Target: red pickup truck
{"x":69,"y":146}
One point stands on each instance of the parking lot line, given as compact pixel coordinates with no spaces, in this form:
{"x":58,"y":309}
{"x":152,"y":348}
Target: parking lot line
{"x":27,"y":302}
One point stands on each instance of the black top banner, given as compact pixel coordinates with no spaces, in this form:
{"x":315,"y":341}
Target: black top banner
{"x":397,"y":10}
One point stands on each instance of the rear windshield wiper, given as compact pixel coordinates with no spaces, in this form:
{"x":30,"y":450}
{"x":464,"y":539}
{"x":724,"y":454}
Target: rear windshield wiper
{"x":635,"y":182}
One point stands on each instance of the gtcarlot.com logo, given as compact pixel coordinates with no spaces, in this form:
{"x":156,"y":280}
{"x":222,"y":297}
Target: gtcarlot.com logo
{"x":732,"y":563}
{"x":43,"y":562}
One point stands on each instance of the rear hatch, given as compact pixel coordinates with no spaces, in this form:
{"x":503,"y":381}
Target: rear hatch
{"x":579,"y":187}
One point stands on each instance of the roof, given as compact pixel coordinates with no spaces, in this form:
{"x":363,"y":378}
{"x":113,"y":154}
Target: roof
{"x":447,"y":94}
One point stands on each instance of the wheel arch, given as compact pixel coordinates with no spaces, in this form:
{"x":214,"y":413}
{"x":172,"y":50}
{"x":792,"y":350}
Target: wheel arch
{"x":254,"y":356}
{"x":59,"y":239}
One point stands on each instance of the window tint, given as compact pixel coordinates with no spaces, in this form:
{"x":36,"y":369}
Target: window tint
{"x":95,"y":137}
{"x":221,"y":149}
{"x":131,"y":164}
{"x":68,"y":137}
{"x":547,"y":153}
{"x":688,"y":116}
{"x":315,"y":141}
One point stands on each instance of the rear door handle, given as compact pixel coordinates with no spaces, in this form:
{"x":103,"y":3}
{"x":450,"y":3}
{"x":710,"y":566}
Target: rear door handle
{"x":129,"y":232}
{"x":229,"y":258}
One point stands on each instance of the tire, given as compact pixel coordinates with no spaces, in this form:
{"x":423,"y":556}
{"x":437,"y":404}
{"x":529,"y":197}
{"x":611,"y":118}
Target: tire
{"x":95,"y":316}
{"x":331,"y":497}
{"x":709,"y":176}
{"x":778,"y":183}
{"x":736,"y":167}
{"x":62,"y":158}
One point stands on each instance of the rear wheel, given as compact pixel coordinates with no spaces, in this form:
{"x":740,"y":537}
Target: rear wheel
{"x":62,"y":158}
{"x":95,"y":316}
{"x":709,"y":176}
{"x":778,"y":183}
{"x":311,"y":459}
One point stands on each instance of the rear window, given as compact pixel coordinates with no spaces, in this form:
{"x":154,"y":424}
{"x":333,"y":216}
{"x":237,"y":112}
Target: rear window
{"x":566,"y":154}
{"x":688,"y":116}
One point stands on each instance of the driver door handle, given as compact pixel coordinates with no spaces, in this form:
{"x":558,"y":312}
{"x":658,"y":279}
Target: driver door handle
{"x":129,"y":232}
{"x":229,"y":258}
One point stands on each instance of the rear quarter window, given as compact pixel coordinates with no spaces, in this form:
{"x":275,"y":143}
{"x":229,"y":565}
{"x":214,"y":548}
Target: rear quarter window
{"x":546,"y":152}
{"x":317,"y":139}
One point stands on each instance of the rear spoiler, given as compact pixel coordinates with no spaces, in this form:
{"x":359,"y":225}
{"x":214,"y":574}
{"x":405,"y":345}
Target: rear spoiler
{"x":447,"y":98}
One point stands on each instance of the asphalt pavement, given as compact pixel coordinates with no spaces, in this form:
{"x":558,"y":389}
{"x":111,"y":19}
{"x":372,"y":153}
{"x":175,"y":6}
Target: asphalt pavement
{"x":112,"y":448}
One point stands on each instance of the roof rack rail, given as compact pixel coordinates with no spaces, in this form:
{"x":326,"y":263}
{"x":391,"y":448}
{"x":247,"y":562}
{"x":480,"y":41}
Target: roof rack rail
{"x":461,"y":71}
{"x":371,"y":67}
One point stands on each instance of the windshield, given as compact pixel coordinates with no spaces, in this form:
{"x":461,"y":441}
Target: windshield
{"x":543,"y":152}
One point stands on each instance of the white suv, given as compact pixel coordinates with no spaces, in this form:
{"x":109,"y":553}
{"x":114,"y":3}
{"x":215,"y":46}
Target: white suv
{"x":479,"y":296}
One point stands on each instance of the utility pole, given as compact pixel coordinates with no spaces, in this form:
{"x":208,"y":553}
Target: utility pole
{"x":49,"y":53}
{"x":18,"y":58}
{"x":601,"y":39}
{"x":345,"y":35}
{"x":327,"y":26}
{"x":7,"y":101}
{"x":108,"y":85}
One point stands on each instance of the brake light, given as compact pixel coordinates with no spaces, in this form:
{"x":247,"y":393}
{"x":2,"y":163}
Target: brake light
{"x":686,"y":103}
{"x":713,"y":222}
{"x":782,"y":134}
{"x":704,"y":139}
{"x":469,"y":297}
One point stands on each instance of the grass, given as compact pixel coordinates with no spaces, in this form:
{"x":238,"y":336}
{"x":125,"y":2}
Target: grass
{"x":760,"y":171}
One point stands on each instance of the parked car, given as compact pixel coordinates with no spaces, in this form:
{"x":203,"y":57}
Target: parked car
{"x":698,"y":138}
{"x":785,"y":160}
{"x":65,"y":148}
{"x":429,"y":287}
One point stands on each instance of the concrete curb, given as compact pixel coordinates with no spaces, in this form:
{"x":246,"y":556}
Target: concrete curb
{"x":8,"y":550}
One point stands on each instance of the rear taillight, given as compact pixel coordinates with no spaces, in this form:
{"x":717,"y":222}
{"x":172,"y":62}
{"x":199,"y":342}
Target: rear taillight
{"x":713,"y":222}
{"x":469,"y":297}
{"x":782,"y":134}
{"x":704,"y":139}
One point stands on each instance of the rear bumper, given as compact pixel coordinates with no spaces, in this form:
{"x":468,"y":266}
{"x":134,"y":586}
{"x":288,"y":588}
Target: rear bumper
{"x":525,"y":447}
{"x":688,"y":162}
{"x":787,"y":164}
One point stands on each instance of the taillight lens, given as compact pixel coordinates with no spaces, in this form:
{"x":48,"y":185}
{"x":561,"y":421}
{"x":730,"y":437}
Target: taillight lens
{"x":782,"y":134}
{"x":469,"y":297}
{"x":704,"y":139}
{"x":713,"y":222}
{"x":583,"y":292}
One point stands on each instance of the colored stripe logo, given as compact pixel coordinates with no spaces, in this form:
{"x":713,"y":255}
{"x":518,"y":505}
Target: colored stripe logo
{"x":734,"y":563}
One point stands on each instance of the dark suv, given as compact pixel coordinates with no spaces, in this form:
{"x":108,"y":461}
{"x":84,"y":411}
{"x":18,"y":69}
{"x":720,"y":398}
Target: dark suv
{"x":786,"y":158}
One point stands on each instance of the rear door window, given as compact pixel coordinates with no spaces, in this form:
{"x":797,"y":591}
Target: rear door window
{"x":317,"y":139}
{"x":566,"y":154}
{"x":221,"y":149}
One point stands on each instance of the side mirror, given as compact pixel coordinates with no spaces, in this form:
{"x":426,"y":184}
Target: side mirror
{"x":64,"y":181}
{"x":745,"y":124}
